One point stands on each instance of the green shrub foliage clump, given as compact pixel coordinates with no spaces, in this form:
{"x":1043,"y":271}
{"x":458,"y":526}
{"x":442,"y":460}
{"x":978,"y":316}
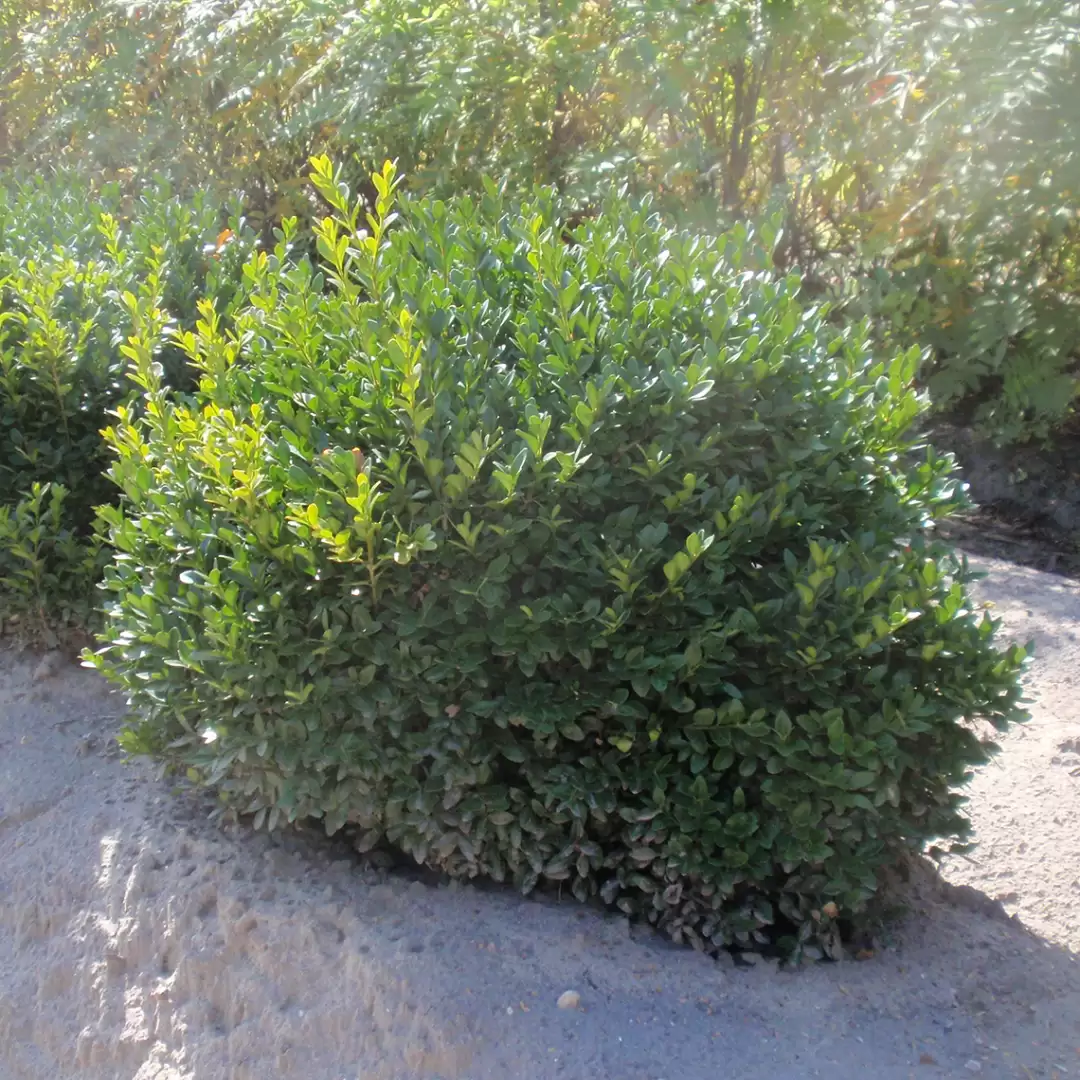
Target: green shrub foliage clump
{"x":73,"y":256}
{"x":579,"y":555}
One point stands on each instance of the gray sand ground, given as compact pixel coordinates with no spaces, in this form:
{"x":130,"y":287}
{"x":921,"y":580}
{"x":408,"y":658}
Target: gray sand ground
{"x":139,"y":943}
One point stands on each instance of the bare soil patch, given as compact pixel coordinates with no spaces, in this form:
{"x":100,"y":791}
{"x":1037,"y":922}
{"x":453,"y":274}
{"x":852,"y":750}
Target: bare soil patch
{"x":137,"y":942}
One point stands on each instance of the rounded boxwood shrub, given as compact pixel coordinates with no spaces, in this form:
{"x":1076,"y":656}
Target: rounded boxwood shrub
{"x":584,"y":556}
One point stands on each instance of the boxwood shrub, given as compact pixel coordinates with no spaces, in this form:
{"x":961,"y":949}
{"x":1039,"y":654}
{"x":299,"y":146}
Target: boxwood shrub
{"x":586,"y":556}
{"x":73,"y":254}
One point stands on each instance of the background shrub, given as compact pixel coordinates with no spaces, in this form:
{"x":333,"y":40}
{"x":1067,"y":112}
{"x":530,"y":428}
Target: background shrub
{"x":48,"y":568}
{"x":926,"y":151}
{"x":582,"y":556}
{"x":72,"y":257}
{"x":972,"y":235}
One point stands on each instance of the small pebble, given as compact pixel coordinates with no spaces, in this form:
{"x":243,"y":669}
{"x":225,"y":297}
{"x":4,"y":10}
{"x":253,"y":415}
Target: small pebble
{"x":973,"y":1066}
{"x":569,"y":999}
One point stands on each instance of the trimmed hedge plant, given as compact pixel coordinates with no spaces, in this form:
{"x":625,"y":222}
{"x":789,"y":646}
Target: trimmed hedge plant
{"x":581,"y":556}
{"x":72,"y":257}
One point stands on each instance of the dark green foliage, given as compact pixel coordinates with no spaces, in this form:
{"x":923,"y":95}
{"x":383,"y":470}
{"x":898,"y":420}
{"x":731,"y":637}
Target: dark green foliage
{"x":48,"y":569}
{"x":71,"y":256}
{"x":588,"y":557}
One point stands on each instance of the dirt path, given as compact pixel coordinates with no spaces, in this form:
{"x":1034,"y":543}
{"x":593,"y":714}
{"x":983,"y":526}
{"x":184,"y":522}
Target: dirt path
{"x":137,"y":943}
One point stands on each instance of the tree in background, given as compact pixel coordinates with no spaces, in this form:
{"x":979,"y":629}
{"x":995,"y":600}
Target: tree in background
{"x":921,"y":153}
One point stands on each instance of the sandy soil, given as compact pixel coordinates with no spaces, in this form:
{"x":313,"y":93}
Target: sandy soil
{"x":139,"y":943}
